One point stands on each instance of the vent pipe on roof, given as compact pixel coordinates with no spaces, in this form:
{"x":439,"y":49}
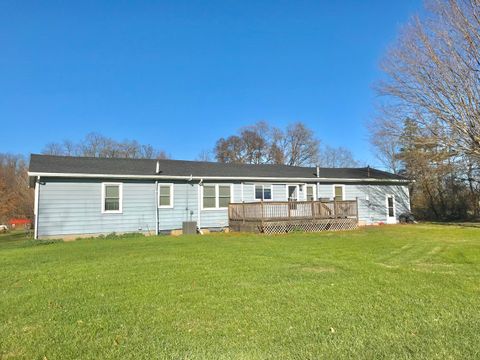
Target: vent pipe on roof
{"x":157,"y":170}
{"x":318,"y":171}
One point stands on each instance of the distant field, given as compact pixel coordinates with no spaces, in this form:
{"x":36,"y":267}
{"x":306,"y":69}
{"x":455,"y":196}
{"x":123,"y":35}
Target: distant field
{"x":393,"y":292}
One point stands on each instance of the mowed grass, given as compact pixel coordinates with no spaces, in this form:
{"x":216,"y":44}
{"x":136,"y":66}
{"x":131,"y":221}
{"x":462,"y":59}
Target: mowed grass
{"x":383,"y":292}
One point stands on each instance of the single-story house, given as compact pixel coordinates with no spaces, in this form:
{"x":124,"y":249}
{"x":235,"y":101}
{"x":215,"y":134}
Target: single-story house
{"x":78,"y":196}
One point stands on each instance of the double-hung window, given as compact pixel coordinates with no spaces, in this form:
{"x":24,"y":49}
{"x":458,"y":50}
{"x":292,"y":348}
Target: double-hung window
{"x":165,"y":195}
{"x":338,"y":192}
{"x":263,"y":192}
{"x":112,"y":194}
{"x":216,"y":196}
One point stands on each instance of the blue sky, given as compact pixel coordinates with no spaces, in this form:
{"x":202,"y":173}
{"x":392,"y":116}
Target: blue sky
{"x":181,"y":74}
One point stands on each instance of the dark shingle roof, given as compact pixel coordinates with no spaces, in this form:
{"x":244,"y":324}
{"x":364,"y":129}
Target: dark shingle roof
{"x":147,"y":167}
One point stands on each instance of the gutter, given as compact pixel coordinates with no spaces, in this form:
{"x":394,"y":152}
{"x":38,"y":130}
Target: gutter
{"x":199,"y":198}
{"x":202,"y":178}
{"x":35,"y":207}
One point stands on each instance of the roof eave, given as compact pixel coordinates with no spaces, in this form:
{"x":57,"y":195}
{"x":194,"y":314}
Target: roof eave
{"x":192,"y":177}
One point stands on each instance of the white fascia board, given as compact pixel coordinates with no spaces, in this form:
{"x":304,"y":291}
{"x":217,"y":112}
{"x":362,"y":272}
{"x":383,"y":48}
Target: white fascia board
{"x":207,"y":178}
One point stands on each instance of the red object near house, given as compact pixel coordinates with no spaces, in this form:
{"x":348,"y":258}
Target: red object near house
{"x":20,"y":223}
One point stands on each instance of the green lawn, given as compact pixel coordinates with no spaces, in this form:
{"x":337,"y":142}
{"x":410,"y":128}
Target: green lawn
{"x":382,"y":292}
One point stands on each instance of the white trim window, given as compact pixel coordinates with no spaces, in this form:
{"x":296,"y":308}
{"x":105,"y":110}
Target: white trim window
{"x":263,"y":192}
{"x":216,"y":196}
{"x":311,"y":195}
{"x":165,"y":196}
{"x":338,"y":192}
{"x":112,"y":198}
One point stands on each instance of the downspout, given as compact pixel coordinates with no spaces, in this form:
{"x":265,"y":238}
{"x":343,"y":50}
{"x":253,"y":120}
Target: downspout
{"x":157,"y":230}
{"x":318,"y":183}
{"x":35,"y":207}
{"x":187,"y":208}
{"x":157,"y":214}
{"x":198,"y":206}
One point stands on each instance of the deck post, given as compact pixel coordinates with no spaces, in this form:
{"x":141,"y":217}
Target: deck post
{"x":334,"y":208}
{"x":243,"y":211}
{"x":261,"y":208}
{"x":313,"y":209}
{"x":356,"y":202}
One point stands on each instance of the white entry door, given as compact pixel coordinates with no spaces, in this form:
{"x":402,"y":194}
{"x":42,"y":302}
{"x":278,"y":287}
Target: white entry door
{"x":390,"y":202}
{"x":292,"y":192}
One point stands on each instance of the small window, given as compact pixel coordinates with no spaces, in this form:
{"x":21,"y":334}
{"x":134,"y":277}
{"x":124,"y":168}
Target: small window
{"x":310,"y":192}
{"x":112,"y":197}
{"x":223,"y":196}
{"x":263,"y":192}
{"x":165,"y":195}
{"x":209,"y":197}
{"x":258,"y":192}
{"x":338,"y":192}
{"x":391,"y":206}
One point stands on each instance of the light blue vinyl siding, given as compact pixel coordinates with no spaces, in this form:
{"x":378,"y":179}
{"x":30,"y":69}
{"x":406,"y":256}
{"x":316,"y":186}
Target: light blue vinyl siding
{"x":237,"y":192}
{"x":68,"y":207}
{"x":248,"y":192}
{"x":214,"y":218}
{"x":372,"y":207}
{"x":184,"y":207}
{"x":279,"y":192}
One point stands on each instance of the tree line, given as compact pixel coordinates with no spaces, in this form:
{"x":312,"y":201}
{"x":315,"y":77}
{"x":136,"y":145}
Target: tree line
{"x":98,"y":145}
{"x":428,"y":122}
{"x":262,"y":143}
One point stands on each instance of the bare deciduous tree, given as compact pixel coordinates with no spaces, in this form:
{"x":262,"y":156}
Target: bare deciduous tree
{"x":16,"y":199}
{"x":384,"y":136}
{"x":433,"y":74}
{"x":229,"y":150}
{"x":204,"y":155}
{"x":339,"y":157}
{"x":301,"y":146}
{"x":97,"y":145}
{"x":264,"y":144}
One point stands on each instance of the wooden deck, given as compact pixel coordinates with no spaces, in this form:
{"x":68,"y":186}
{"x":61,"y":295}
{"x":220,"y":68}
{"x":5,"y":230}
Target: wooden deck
{"x":287,"y":216}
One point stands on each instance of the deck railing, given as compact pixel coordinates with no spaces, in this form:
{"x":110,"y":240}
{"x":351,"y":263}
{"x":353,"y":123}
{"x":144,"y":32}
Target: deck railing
{"x":292,"y":210}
